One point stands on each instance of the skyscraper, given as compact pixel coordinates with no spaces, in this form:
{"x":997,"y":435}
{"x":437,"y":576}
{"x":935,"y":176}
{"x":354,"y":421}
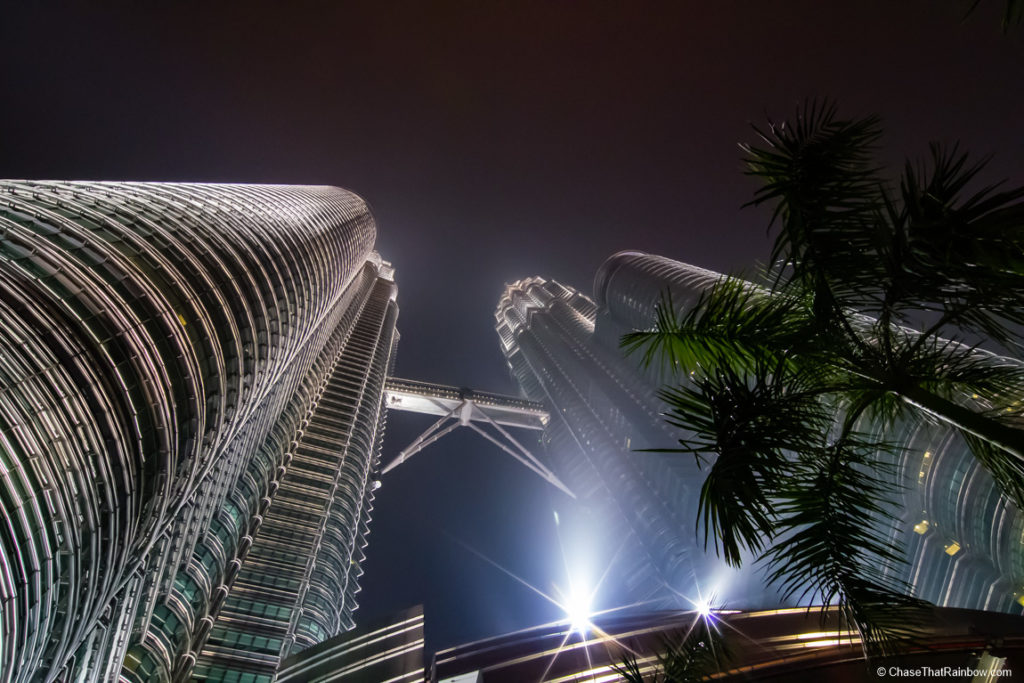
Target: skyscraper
{"x":963,"y":540}
{"x":190,"y":414}
{"x":562,"y":349}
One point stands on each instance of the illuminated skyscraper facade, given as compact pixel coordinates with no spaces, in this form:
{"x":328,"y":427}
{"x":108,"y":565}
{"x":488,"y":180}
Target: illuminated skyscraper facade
{"x":963,"y":539}
{"x":388,"y":650}
{"x":561,"y":352}
{"x":190,"y":376}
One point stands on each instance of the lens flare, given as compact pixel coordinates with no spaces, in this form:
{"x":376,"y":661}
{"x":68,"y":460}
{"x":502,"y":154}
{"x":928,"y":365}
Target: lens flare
{"x":704,"y":601}
{"x":578,"y":611}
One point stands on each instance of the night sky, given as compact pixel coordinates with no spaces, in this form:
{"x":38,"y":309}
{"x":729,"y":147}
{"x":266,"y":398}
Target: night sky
{"x":493,"y":141}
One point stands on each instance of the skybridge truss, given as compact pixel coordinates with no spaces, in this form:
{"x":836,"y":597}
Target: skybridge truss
{"x":485,"y":413}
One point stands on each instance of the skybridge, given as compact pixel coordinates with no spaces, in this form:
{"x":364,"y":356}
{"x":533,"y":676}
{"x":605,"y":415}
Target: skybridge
{"x":485,"y":413}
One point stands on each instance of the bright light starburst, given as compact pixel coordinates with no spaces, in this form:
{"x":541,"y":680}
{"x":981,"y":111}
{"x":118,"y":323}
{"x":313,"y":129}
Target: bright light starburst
{"x":577,"y":608}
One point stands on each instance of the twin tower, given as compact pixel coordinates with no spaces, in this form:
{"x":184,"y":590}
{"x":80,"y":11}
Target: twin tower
{"x":192,"y":385}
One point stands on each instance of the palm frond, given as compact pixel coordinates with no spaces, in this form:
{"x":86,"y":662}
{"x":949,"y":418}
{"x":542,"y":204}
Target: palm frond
{"x":883,"y":408}
{"x":889,"y":621}
{"x":829,"y":548}
{"x":691,"y":656}
{"x":702,"y":651}
{"x":746,"y":423}
{"x":629,"y":668}
{"x":818,"y":172}
{"x":951,"y":369}
{"x":965,"y":254}
{"x":1007,"y":472}
{"x":734,"y":322}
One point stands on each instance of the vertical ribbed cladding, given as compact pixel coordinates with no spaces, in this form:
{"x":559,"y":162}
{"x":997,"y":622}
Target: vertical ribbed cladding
{"x":226,"y":565}
{"x":149,"y":333}
{"x":630,"y":284}
{"x":547,"y":336}
{"x":298,"y":568}
{"x":969,"y":554}
{"x":956,"y":497}
{"x":338,"y":561}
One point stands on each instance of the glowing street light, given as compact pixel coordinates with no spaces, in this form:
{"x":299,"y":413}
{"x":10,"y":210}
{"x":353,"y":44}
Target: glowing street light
{"x":578,"y":611}
{"x":704,"y":601}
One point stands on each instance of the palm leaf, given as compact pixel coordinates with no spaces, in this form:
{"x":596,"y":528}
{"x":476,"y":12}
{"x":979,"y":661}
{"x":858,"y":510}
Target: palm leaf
{"x":951,"y":369}
{"x":1007,"y":472}
{"x":983,"y":394}
{"x":734,"y":322}
{"x":965,"y":255}
{"x":692,"y":656}
{"x":829,"y":549}
{"x":698,"y":654}
{"x":629,"y":668}
{"x":817,"y":171}
{"x":746,"y":423}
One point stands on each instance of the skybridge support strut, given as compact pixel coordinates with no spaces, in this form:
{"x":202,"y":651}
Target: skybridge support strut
{"x":476,"y":410}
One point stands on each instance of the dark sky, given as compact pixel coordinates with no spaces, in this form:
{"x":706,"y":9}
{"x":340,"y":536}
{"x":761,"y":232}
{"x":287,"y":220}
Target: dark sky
{"x":494,"y":140}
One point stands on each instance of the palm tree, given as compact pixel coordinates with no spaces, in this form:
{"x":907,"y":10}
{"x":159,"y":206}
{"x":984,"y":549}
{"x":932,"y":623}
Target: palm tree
{"x":926,"y":257}
{"x":871,"y":316}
